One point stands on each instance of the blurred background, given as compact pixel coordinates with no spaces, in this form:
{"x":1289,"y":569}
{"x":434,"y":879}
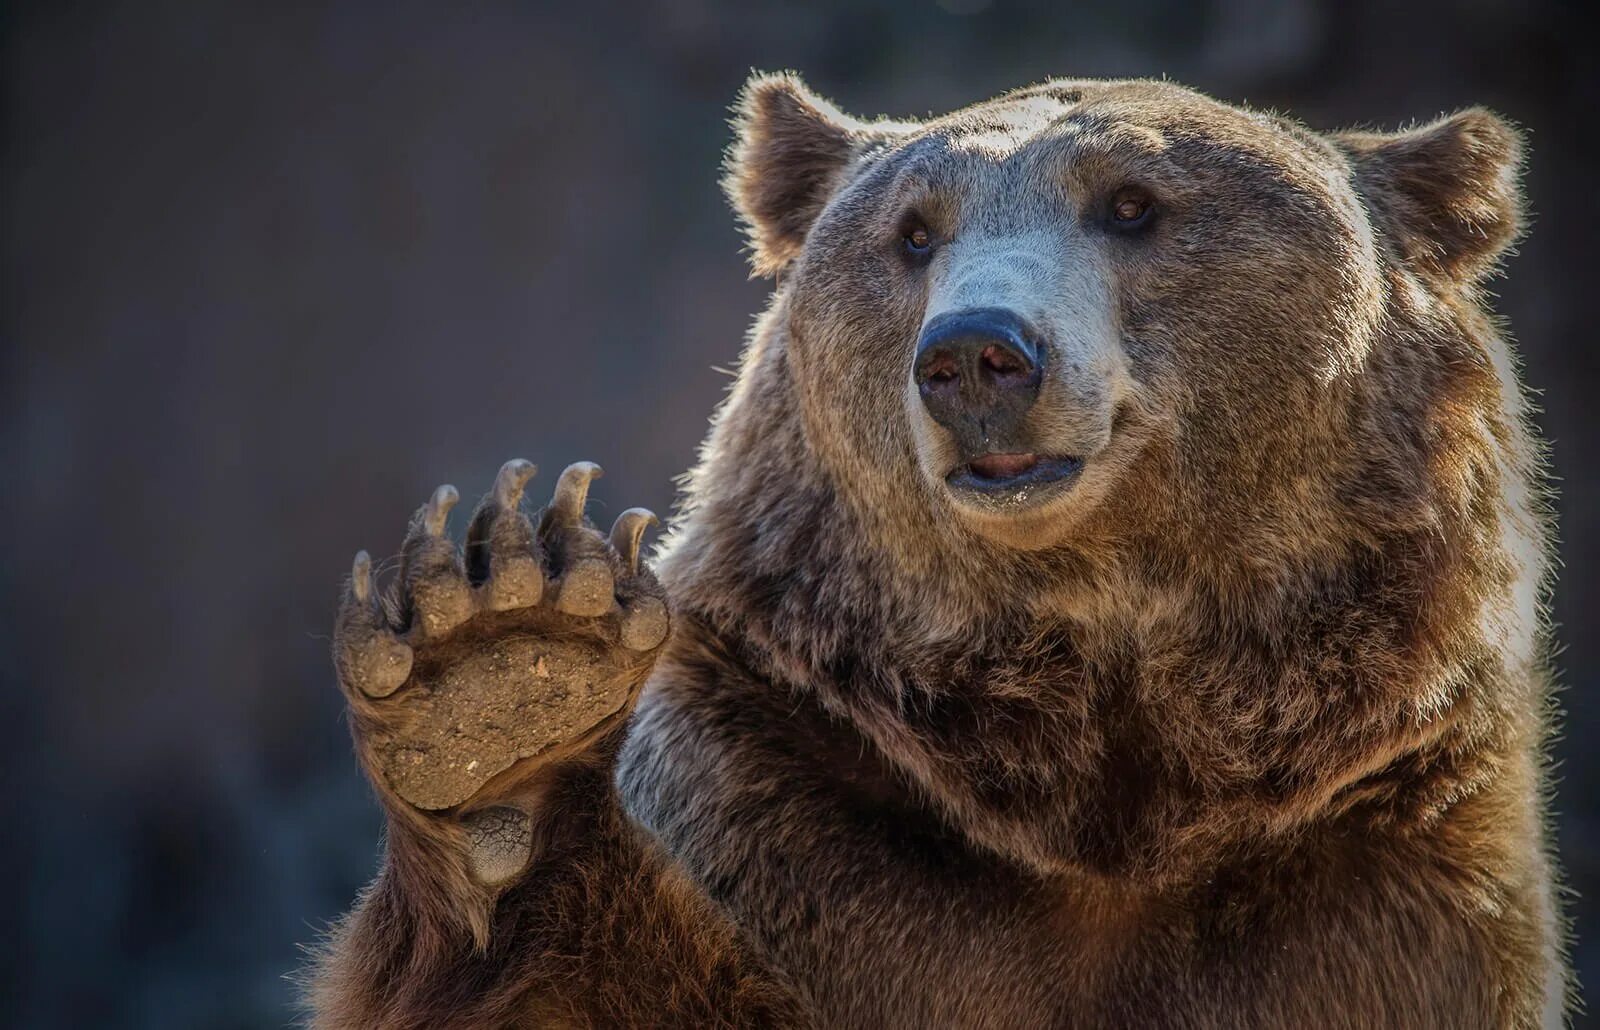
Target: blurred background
{"x":271,"y":272}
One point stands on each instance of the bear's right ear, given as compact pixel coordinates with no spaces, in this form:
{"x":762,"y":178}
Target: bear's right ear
{"x":1448,"y":190}
{"x":789,"y":154}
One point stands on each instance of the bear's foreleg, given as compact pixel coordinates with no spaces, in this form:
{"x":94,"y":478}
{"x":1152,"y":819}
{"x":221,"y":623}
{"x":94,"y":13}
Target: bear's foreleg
{"x":488,"y":693}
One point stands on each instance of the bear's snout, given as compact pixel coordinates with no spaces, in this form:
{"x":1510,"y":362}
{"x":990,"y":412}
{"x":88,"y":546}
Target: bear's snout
{"x":978,"y":371}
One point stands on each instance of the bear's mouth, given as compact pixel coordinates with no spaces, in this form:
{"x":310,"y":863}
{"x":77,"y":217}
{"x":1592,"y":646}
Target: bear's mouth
{"x":1013,"y":477}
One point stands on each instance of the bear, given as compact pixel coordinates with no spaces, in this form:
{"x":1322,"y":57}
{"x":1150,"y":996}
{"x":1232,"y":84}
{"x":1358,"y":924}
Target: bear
{"x":1110,"y":595}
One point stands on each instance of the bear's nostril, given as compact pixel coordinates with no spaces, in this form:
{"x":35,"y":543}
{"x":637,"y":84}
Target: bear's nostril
{"x":1002,"y":362}
{"x":941,"y":370}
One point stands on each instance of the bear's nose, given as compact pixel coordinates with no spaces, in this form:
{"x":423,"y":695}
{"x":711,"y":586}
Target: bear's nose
{"x":978,"y":371}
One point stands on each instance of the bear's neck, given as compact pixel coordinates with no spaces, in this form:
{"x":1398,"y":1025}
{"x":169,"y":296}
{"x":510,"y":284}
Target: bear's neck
{"x":1147,"y":732}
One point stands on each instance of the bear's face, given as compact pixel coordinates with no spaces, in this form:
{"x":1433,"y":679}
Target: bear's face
{"x":1093,"y":305}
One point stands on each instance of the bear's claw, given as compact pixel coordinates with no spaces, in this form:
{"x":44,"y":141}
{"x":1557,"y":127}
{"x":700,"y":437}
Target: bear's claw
{"x":628,"y":531}
{"x":510,"y":481}
{"x":572,"y":493}
{"x":361,"y":577}
{"x":503,"y":558}
{"x":436,"y":596}
{"x":436,"y":513}
{"x":370,"y":657}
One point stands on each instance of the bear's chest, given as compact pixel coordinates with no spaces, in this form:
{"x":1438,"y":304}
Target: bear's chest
{"x":824,"y":856}
{"x":883,"y":916}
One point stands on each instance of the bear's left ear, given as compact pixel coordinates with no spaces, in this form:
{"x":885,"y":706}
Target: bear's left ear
{"x":790,"y":152}
{"x":1448,"y":190}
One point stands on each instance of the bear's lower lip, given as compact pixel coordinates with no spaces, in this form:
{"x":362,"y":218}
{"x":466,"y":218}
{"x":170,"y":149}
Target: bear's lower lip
{"x":1012,"y":477}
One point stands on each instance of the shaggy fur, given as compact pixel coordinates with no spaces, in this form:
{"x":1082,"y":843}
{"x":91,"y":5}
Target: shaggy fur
{"x":1246,"y":732}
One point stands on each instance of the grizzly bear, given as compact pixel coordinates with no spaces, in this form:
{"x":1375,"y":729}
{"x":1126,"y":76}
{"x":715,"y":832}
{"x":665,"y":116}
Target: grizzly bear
{"x":1110,"y":596}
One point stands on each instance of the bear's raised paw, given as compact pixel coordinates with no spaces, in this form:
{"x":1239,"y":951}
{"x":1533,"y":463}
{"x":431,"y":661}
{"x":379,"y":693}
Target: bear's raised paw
{"x":522,"y":645}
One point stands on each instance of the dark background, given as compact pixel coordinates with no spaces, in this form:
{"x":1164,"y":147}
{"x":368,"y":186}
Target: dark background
{"x":270,"y":274}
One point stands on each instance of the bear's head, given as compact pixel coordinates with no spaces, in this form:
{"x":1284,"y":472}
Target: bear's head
{"x":1091,"y":312}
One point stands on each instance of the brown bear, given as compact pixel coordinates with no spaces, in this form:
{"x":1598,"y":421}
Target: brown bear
{"x":1109,"y":597}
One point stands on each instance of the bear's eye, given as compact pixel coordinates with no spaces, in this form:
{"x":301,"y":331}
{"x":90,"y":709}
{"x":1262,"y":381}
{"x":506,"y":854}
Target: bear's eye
{"x":1130,"y":208}
{"x":916,"y":240}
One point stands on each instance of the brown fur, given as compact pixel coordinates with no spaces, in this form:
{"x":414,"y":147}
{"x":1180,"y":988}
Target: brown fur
{"x":1250,"y":735}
